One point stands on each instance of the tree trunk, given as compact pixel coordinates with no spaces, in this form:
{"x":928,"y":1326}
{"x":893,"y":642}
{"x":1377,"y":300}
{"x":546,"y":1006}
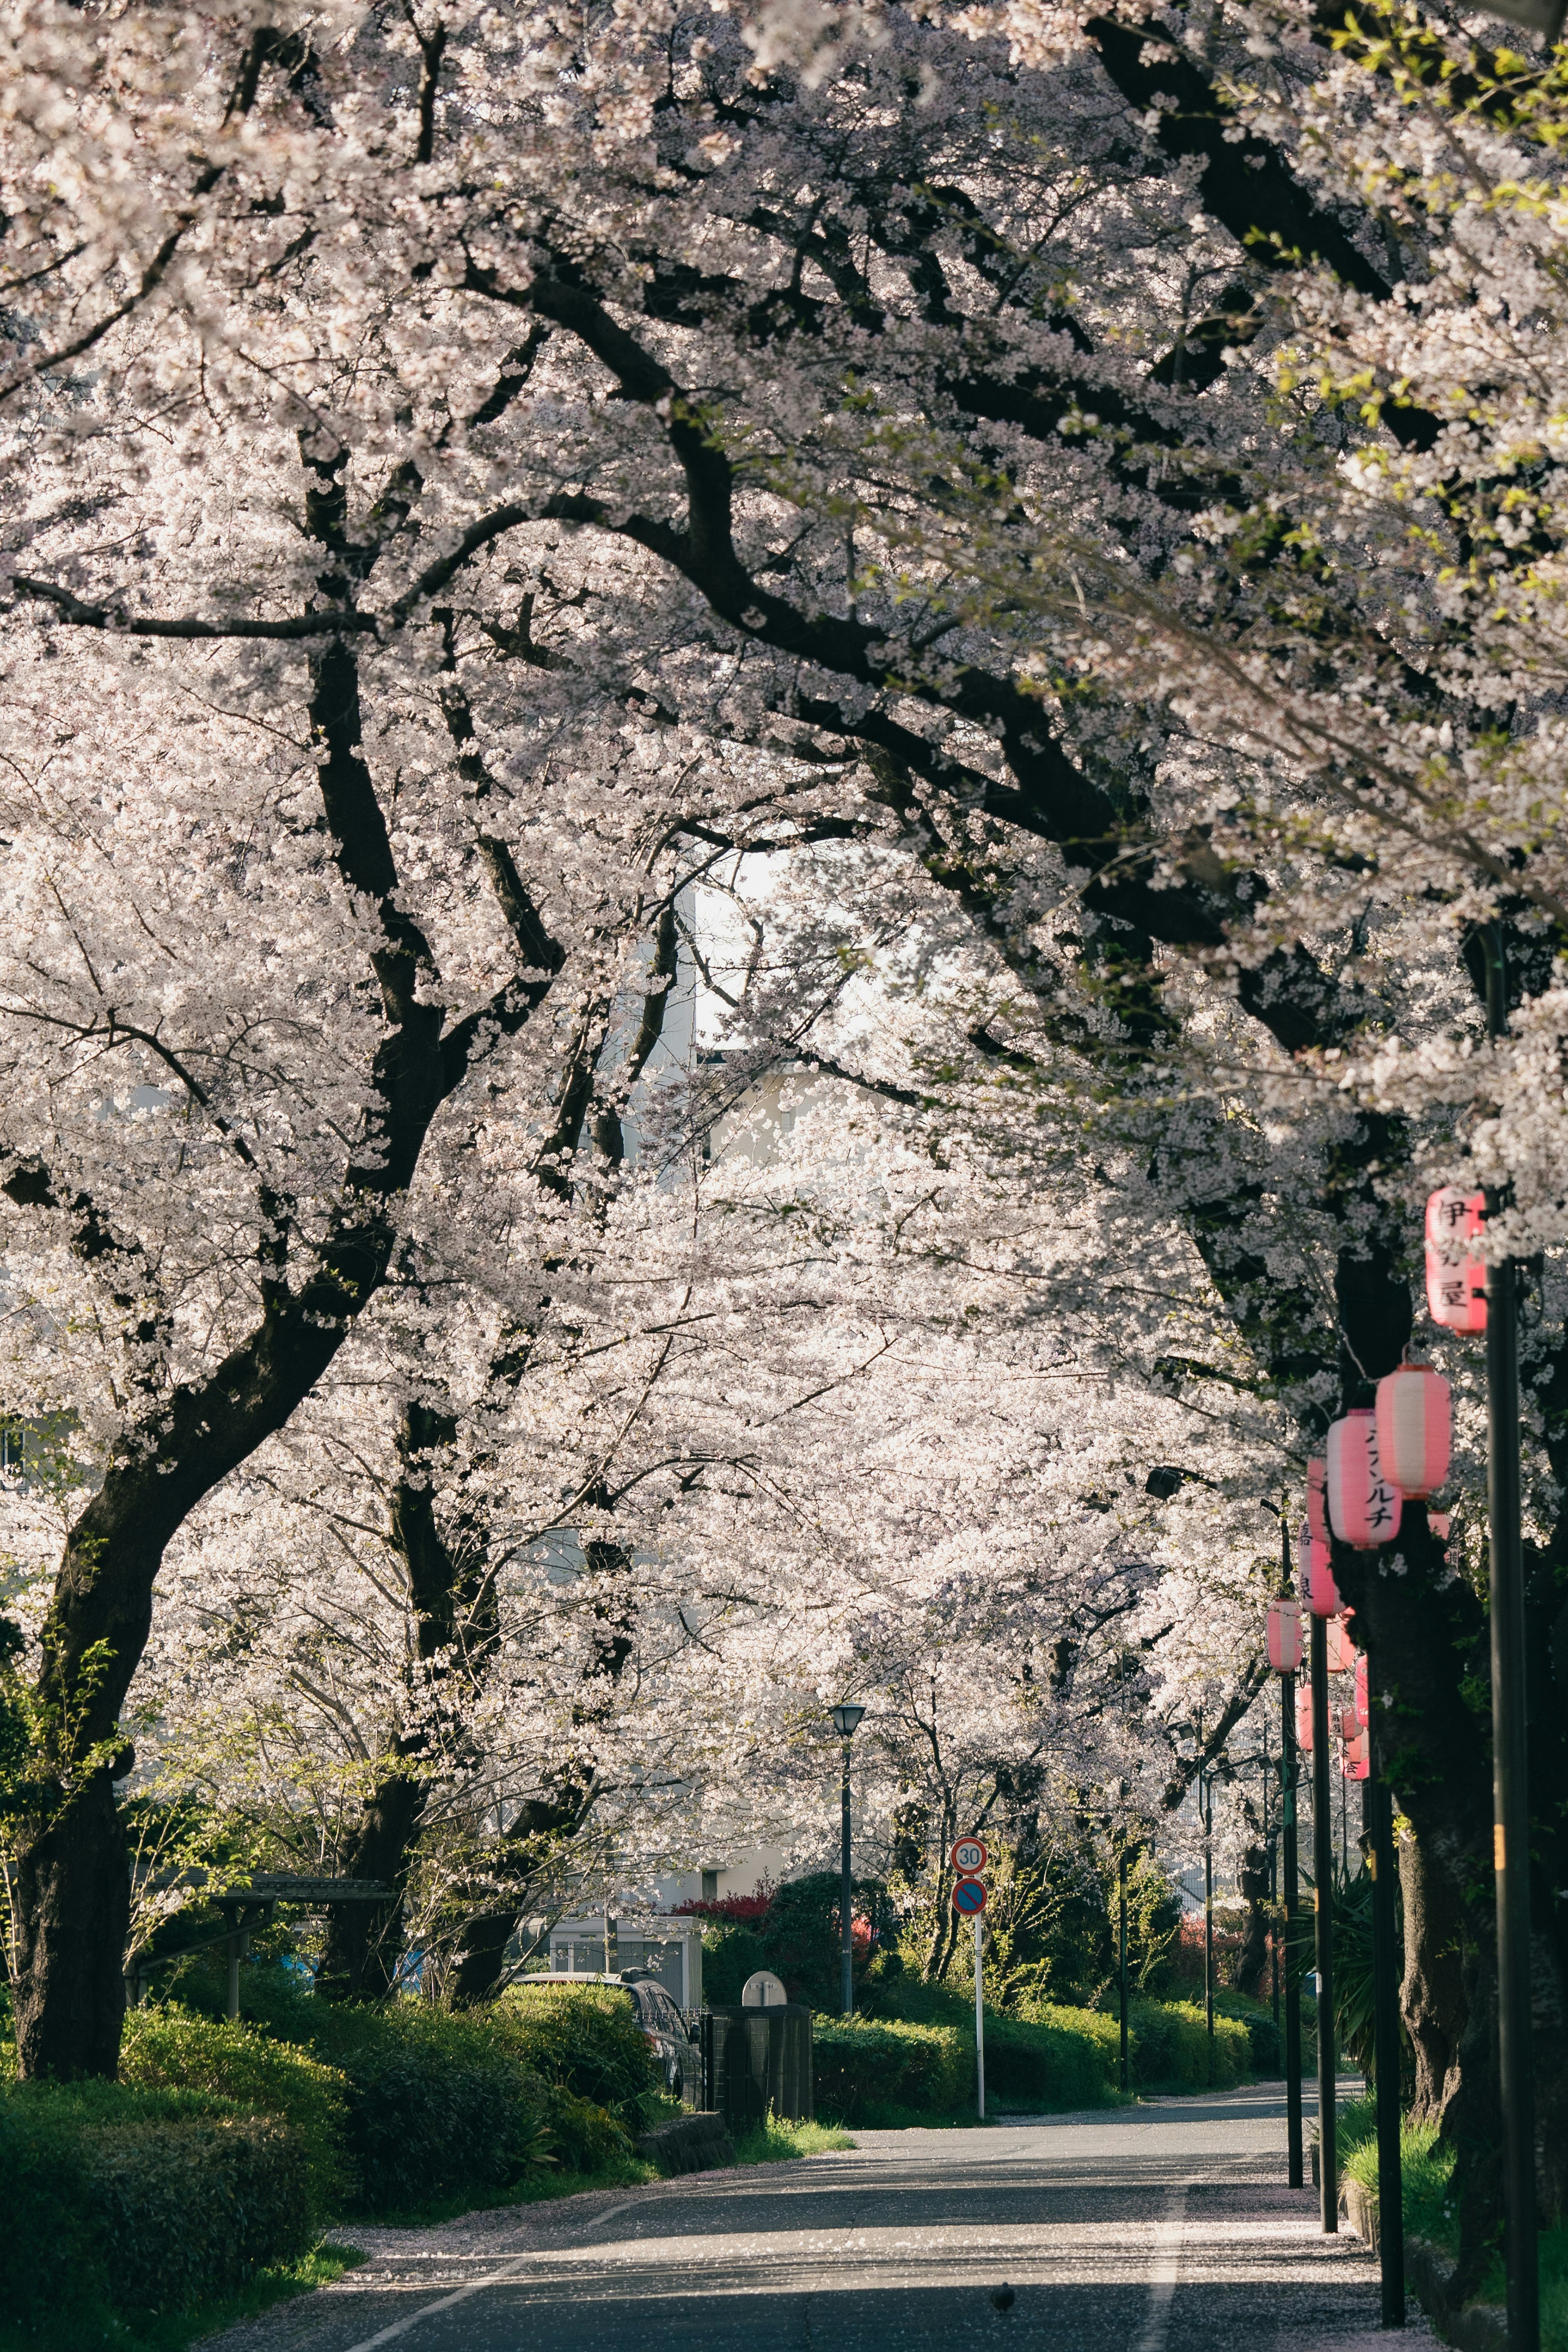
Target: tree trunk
{"x":364,"y":1940}
{"x":1433,"y":1997}
{"x":72,"y":1901}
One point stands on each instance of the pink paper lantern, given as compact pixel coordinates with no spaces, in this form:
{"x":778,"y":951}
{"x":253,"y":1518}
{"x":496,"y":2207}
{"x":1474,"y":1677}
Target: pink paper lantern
{"x":1456,"y":1281}
{"x":1415,"y":1419}
{"x":1304,"y":1718}
{"x":1318,"y":1497}
{"x":1341,"y":1650}
{"x":1284,"y":1636}
{"x":1319,"y":1589}
{"x":1362,"y":1696}
{"x":1363,"y":1505}
{"x":1355,"y":1757}
{"x":1439,"y":1523}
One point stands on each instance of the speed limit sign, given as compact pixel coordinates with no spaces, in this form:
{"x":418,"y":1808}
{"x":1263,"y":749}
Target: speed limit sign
{"x":969,"y":1856}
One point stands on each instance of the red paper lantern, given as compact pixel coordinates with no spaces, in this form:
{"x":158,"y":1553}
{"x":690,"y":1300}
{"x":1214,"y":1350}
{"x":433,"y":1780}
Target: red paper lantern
{"x":1414,"y":1429}
{"x":1456,"y":1280}
{"x":1284,"y":1636}
{"x":1304,"y":1718}
{"x":1362,"y":1698}
{"x":1363,"y":1505}
{"x":1355,"y":1757}
{"x":1318,"y":1497}
{"x":1341,"y":1650}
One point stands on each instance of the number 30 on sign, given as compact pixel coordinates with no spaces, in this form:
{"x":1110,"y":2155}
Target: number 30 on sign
{"x":969,"y":1856}
{"x":969,"y":1896}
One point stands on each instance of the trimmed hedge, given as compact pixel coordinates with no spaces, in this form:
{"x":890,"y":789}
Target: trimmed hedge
{"x":145,"y":2199}
{"x":179,"y":2049}
{"x":885,"y":2063}
{"x":1171,"y":2048}
{"x":1055,"y":2056}
{"x":587,"y":2039}
{"x":435,"y":2105}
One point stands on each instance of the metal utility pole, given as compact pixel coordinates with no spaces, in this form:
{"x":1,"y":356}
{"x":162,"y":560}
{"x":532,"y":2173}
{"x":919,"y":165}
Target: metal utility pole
{"x":1511,"y":1792}
{"x":1378,"y":1807}
{"x":844,"y":1720}
{"x":1290,"y":1781}
{"x":1323,"y":1905}
{"x":1207,"y":1810}
{"x":1123,"y":1874}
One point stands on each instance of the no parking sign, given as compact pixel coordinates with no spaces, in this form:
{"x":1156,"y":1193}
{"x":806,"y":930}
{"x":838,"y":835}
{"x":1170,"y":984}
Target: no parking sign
{"x":969,"y":1896}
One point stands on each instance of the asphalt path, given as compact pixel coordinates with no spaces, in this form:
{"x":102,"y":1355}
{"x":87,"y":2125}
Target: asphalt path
{"x":1162,"y":2228}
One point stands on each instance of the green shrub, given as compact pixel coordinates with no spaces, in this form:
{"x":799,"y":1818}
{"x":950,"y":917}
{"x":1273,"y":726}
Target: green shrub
{"x":585,"y":2138}
{"x":730,"y":1955}
{"x":1169,"y":2048}
{"x":586,"y":2038}
{"x":147,"y":2200}
{"x":1052,"y":2057}
{"x":861,"y":2065}
{"x":436,"y":2104}
{"x":176,"y":2048}
{"x":189,"y":2209}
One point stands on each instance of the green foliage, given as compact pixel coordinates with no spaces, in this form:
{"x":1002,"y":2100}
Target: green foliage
{"x":1052,"y":2057}
{"x":189,"y":2209}
{"x":147,"y":2200}
{"x":586,"y":2038}
{"x":169,"y":2048}
{"x":1054,"y":1918}
{"x":1171,"y":2048}
{"x":436,"y":2104}
{"x":730,"y":1955}
{"x":800,"y":1935}
{"x":863,"y":2066}
{"x":1427,"y":2169}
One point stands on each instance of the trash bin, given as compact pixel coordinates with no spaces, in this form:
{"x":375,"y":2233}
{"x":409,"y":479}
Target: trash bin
{"x":757,"y":2059}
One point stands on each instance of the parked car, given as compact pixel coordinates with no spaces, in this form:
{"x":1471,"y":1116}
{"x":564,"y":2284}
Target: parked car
{"x":671,"y":2035}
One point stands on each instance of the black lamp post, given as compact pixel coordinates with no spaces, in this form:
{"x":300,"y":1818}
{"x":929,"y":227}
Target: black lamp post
{"x":846,"y":1720}
{"x":1323,"y":1907}
{"x":1511,"y":1797}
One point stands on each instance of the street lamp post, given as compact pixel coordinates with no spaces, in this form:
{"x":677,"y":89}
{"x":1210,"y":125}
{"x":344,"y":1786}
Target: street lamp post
{"x":846,"y":1719}
{"x":1323,"y":1905}
{"x":1510,"y":1797}
{"x":1379,"y":1808}
{"x":1122,"y":1876}
{"x":1207,"y":1819}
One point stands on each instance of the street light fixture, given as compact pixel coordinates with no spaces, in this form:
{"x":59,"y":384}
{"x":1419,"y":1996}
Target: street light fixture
{"x":846,"y":1719}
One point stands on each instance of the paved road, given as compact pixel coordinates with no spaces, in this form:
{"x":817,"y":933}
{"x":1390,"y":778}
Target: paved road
{"x":1164,"y":2227}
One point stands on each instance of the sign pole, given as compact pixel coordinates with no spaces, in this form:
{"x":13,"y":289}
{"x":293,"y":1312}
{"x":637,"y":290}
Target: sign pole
{"x":978,"y":2025}
{"x":1290,"y":1785}
{"x":1121,"y":1872}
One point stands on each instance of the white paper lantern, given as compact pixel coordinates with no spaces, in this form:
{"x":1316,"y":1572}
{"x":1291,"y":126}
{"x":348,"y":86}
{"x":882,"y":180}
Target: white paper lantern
{"x":1456,"y":1280}
{"x":1415,"y":1419}
{"x":1363,"y":1505}
{"x":1284,"y":1636}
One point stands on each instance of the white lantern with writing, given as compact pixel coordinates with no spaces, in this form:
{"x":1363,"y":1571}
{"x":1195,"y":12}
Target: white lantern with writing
{"x":1363,"y":1505}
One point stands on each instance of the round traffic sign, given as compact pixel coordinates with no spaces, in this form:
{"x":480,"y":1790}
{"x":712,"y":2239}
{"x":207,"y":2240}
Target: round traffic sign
{"x":969,"y":1856}
{"x":969,"y":1896}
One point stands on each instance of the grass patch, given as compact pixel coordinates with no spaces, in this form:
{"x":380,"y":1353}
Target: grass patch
{"x":1426,"y":2168}
{"x":779,"y":2138}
